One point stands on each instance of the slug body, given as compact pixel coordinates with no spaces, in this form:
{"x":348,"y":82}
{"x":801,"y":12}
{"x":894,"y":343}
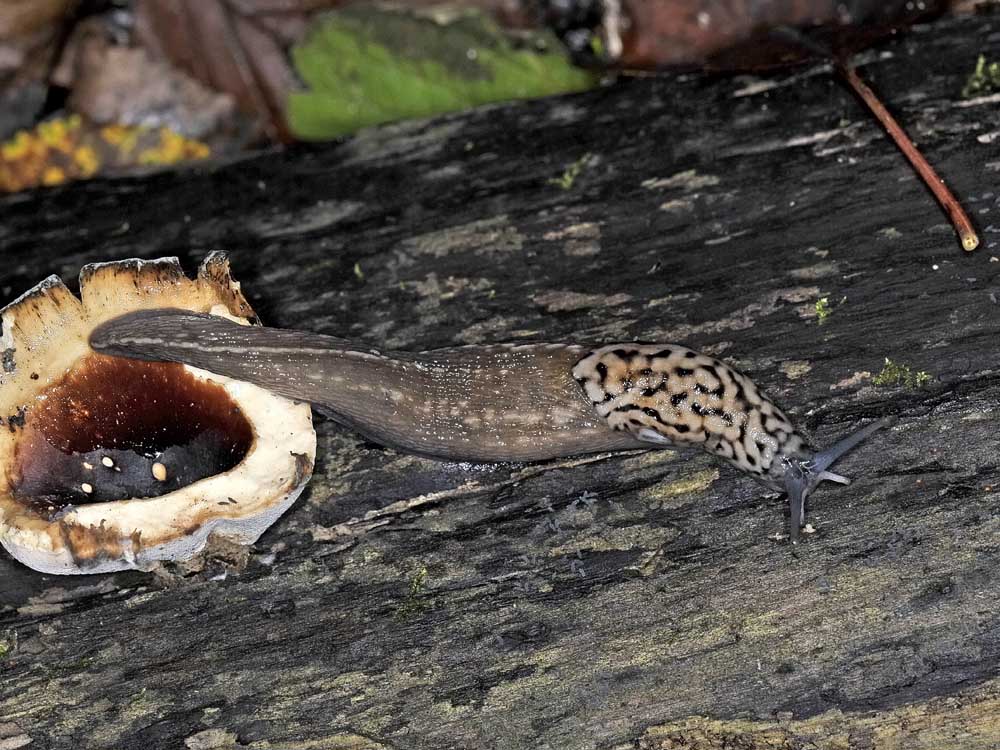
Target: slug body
{"x":509,"y":402}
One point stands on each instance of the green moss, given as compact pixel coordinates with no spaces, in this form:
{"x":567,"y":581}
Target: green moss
{"x":823,"y":309}
{"x":417,"y":582}
{"x":567,"y":178}
{"x":365,"y":65}
{"x":894,"y":374}
{"x":414,"y":604}
{"x":8,"y":642}
{"x":985,"y":79}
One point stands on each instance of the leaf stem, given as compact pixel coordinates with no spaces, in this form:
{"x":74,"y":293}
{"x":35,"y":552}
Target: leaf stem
{"x":959,"y":219}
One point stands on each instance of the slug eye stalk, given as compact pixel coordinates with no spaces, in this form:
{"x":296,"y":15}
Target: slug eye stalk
{"x":802,"y":476}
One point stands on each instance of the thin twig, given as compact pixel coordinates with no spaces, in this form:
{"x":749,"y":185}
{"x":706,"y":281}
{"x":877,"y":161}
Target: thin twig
{"x":968,"y":236}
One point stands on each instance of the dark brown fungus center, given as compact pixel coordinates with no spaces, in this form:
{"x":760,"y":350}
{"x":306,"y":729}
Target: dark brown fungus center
{"x":114,"y":429}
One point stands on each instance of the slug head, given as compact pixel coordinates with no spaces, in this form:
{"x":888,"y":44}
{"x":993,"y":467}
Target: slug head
{"x":800,"y":474}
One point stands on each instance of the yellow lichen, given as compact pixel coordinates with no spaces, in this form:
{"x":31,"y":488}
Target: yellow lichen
{"x":54,"y":134}
{"x":86,"y":159}
{"x":64,"y":149}
{"x":197,"y":150}
{"x":172,"y":148}
{"x":121,"y":137}
{"x":17,"y":147}
{"x":53,"y":176}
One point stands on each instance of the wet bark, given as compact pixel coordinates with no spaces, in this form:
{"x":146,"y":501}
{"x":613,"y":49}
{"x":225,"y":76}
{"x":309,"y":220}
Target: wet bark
{"x":614,"y":601}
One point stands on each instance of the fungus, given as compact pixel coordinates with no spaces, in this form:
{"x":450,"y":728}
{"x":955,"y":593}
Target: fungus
{"x":107,"y":463}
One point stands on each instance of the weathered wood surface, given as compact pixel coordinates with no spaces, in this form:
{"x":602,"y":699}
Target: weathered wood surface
{"x":607,"y":602}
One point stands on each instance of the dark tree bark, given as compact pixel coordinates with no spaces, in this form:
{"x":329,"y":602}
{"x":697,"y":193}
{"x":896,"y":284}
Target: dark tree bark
{"x":615,"y":601}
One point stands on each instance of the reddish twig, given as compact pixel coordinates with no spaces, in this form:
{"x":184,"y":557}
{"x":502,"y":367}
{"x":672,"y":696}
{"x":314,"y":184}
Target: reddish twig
{"x":960,"y":220}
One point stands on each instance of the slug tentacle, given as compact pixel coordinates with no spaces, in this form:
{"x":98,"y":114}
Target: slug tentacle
{"x":802,"y":476}
{"x":507,"y":402}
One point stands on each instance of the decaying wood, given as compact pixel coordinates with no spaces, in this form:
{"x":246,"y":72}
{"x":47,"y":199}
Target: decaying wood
{"x":616,"y":601}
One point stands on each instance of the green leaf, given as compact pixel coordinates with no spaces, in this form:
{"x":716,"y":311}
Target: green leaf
{"x":366,"y":65}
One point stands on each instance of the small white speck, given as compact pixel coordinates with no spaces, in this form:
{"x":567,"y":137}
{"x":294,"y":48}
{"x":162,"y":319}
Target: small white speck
{"x":88,"y":466}
{"x":107,"y":461}
{"x":87,"y":488}
{"x":472,"y":53}
{"x":159,"y":472}
{"x":935,"y":266}
{"x":704,"y":20}
{"x":808,"y":529}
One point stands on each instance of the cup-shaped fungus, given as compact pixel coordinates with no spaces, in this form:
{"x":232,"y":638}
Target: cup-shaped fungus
{"x":108,"y":463}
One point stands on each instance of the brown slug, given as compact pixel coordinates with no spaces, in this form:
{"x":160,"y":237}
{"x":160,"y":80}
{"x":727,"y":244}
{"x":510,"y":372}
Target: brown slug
{"x":507,"y":402}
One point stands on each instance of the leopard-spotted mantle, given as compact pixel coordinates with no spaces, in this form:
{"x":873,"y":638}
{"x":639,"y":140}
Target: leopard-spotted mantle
{"x":669,"y":394}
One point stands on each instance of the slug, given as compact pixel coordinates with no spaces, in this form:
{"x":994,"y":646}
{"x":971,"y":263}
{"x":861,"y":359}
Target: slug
{"x":507,"y":402}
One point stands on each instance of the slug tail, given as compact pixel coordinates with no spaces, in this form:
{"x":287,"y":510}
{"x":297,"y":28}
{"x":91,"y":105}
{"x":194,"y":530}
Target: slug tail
{"x":804,"y":476}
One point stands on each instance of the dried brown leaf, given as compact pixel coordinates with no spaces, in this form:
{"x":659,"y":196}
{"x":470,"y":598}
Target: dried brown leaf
{"x":241,"y":46}
{"x":29,"y":34}
{"x":234,"y":47}
{"x":693,"y":32}
{"x":126,"y":86}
